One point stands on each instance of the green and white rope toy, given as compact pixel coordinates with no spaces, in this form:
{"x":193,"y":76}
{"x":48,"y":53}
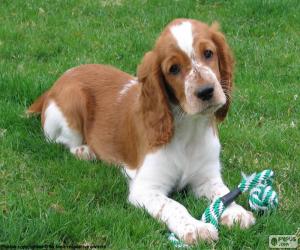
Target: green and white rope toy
{"x":262,"y":197}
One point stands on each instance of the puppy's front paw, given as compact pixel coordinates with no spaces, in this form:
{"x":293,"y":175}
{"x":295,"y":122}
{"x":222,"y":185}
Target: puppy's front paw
{"x":197,"y":230}
{"x":237,"y":214}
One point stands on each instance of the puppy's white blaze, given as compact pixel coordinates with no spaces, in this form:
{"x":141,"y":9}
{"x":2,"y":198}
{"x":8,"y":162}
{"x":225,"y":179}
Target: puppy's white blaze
{"x":208,"y":74}
{"x":184,"y":37}
{"x":56,"y":127}
{"x":204,"y":71}
{"x":127,"y":86}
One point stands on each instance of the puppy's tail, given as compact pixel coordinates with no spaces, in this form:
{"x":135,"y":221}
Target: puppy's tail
{"x":37,"y":106}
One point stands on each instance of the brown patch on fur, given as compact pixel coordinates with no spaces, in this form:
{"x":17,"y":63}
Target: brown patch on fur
{"x":226,"y":67}
{"x":154,"y":106}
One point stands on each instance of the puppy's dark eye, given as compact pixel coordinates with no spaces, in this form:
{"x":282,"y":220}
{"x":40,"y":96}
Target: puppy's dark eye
{"x":208,"y":54}
{"x":175,"y":69}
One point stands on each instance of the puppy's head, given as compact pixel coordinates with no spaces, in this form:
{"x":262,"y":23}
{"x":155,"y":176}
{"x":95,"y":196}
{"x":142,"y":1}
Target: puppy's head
{"x":191,"y":66}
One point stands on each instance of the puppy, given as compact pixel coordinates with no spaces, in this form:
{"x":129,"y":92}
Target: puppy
{"x":159,"y":126}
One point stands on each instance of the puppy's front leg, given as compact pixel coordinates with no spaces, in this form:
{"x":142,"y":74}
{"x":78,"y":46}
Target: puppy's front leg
{"x":212,"y":188}
{"x":149,"y":190}
{"x":176,"y":217}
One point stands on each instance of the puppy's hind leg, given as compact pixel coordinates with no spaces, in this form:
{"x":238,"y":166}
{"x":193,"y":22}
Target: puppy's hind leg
{"x":57,"y":130}
{"x":83,"y":152}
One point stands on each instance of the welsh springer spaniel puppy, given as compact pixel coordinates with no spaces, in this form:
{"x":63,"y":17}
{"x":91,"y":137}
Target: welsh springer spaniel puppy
{"x":159,"y":126}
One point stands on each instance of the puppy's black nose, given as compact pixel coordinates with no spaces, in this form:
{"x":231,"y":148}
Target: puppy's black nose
{"x":205,"y":93}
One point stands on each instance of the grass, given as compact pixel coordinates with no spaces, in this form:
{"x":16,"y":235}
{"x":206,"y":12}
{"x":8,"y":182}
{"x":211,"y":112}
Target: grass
{"x":48,"y":197}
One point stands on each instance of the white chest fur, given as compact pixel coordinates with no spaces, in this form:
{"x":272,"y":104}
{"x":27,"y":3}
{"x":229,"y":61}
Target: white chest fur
{"x":194,"y":149}
{"x":192,"y":155}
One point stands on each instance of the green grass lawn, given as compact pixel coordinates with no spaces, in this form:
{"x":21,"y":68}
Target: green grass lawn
{"x":48,"y":197}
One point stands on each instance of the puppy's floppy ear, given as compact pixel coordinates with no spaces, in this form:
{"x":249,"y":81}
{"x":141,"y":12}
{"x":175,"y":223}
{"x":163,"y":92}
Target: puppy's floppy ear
{"x":154,"y":104}
{"x":226,"y":67}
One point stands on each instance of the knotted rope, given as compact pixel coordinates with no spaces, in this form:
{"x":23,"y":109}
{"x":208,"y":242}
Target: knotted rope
{"x":262,"y":197}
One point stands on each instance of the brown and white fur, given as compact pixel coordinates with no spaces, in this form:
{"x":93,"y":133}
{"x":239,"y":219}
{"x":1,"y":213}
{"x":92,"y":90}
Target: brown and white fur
{"x":160,"y":127}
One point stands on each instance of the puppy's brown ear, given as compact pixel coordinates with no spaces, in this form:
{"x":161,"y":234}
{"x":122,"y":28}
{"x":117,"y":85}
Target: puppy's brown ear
{"x":226,"y":67}
{"x":155,"y":110}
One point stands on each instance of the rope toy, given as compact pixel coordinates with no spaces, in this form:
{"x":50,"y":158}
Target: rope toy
{"x":262,"y":197}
